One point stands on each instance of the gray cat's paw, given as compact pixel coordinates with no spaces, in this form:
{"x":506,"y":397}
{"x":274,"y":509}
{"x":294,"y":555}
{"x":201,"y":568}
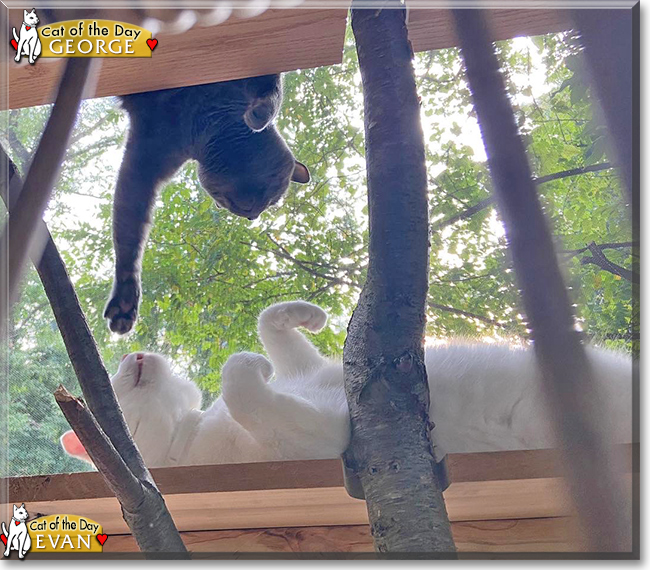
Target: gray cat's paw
{"x":122,"y":308}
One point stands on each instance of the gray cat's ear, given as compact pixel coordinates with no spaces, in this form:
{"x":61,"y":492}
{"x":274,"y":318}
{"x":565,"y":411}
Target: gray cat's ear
{"x":300,"y":173}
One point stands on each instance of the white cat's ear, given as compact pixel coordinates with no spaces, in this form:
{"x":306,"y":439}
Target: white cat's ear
{"x":300,"y":173}
{"x":73,"y":447}
{"x":25,"y":13}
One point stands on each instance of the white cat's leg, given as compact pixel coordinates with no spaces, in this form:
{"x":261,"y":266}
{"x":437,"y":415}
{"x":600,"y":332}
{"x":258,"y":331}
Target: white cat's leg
{"x":286,"y":422}
{"x":250,"y":399}
{"x":244,"y":387}
{"x":288,"y":349}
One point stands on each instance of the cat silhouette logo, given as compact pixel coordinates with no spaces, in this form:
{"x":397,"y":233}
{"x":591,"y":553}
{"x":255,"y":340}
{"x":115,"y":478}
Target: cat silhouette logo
{"x":27,"y":41}
{"x":17,"y":536}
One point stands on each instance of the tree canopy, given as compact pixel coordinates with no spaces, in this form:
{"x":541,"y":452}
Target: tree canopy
{"x":207,"y":273}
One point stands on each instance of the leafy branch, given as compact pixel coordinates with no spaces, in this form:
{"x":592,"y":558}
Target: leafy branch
{"x":469,"y":212}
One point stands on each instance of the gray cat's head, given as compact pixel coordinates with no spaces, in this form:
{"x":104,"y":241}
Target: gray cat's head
{"x":249,"y":172}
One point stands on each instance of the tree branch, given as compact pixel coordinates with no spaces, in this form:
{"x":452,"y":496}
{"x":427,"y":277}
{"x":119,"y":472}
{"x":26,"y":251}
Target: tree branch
{"x":162,"y":536}
{"x":125,"y":486}
{"x":481,"y":318}
{"x":89,"y":130}
{"x":602,"y":246}
{"x":568,"y":385}
{"x":469,"y":212}
{"x":601,"y":261}
{"x":391,"y":452}
{"x":41,"y":177}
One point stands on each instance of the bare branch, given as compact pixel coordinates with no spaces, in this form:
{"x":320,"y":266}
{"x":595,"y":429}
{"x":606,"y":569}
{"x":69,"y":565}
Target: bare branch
{"x":150,"y":523}
{"x":125,"y":486}
{"x":35,"y":194}
{"x":568,"y":386}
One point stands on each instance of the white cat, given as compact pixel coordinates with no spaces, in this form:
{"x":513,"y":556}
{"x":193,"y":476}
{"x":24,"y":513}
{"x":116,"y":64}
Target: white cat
{"x":18,"y":536}
{"x":484,"y":398}
{"x":29,"y":43}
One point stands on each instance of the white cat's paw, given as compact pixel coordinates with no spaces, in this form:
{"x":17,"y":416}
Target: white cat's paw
{"x":294,"y":314}
{"x":243,"y":363}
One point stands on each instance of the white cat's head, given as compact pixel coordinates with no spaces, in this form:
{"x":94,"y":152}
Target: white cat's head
{"x":30,"y":18}
{"x":153,"y":400}
{"x":142,"y":370}
{"x":20,"y":513}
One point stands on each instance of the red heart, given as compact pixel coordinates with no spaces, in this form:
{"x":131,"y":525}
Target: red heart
{"x":152,"y":44}
{"x":3,"y":538}
{"x":14,"y":43}
{"x":102,"y":538}
{"x":28,"y":28}
{"x":17,"y":523}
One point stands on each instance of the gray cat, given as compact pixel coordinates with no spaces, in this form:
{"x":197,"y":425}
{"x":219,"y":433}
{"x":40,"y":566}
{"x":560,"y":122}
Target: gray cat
{"x":244,"y":164}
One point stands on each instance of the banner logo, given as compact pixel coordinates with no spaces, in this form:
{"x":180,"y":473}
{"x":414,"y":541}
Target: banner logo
{"x":51,"y":533}
{"x":17,"y":536}
{"x":26,"y":40}
{"x":81,"y":38}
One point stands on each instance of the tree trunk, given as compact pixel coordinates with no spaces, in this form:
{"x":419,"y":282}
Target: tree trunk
{"x":570,"y":391}
{"x":385,"y":379}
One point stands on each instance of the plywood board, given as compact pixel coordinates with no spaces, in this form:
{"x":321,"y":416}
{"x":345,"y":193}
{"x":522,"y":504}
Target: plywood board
{"x":276,"y":41}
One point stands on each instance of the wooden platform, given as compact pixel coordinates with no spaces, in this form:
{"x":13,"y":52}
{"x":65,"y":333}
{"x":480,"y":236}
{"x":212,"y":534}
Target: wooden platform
{"x":490,"y":494}
{"x":278,"y":40}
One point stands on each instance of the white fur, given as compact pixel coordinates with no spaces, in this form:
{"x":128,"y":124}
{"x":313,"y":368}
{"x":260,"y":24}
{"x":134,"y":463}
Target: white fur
{"x":18,"y":536}
{"x":483,"y":398}
{"x":29,"y":43}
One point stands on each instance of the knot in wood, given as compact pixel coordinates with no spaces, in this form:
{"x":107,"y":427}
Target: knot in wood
{"x":404,"y":363}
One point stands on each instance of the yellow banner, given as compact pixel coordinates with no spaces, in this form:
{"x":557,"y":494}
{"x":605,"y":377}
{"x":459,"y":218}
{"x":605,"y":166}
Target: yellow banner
{"x":95,"y":38}
{"x":66,"y":533}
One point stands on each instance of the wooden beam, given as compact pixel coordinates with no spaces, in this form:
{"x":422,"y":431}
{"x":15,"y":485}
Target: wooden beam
{"x":276,"y":41}
{"x":486,"y":486}
{"x":434,"y":28}
{"x":509,"y":535}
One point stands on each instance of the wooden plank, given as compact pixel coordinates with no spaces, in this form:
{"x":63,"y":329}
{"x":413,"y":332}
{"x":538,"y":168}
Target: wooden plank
{"x":434,"y":28}
{"x":529,"y":535}
{"x":276,"y":41}
{"x":486,"y":486}
{"x":463,"y":468}
{"x":532,"y":498}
